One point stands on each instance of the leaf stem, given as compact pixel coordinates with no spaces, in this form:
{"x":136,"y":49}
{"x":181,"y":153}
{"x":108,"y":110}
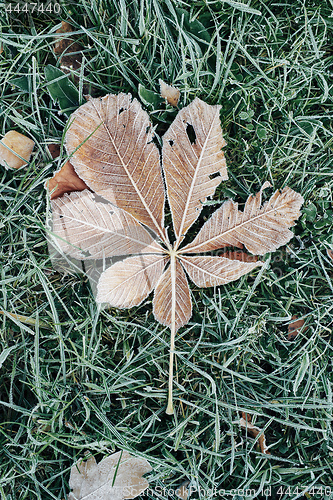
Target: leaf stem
{"x":173,"y":257}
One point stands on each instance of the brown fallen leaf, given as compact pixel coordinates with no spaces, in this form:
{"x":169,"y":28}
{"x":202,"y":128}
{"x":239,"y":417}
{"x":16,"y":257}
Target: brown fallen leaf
{"x":116,"y":477}
{"x":170,"y":93}
{"x":110,"y":141}
{"x":18,"y":150}
{"x":295,"y":327}
{"x":54,"y":150}
{"x":67,"y":49}
{"x":182,"y":491}
{"x":64,"y":181}
{"x":252,"y":430}
{"x":329,"y":253}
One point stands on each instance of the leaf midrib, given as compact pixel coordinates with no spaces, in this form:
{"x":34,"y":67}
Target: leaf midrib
{"x":160,"y":231}
{"x":198,"y":246}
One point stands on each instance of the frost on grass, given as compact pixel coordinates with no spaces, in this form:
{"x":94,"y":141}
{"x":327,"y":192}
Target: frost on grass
{"x":110,"y":141}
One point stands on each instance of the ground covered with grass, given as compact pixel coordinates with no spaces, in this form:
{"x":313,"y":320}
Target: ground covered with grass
{"x":75,"y":378}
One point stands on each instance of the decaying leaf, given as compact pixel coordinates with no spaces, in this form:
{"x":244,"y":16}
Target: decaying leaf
{"x":64,"y":181}
{"x":116,"y":477}
{"x":67,"y":49}
{"x":110,"y":141}
{"x":329,"y":253}
{"x":295,"y":327}
{"x":182,"y":491}
{"x":170,"y":93}
{"x":15,"y":150}
{"x":252,"y":430}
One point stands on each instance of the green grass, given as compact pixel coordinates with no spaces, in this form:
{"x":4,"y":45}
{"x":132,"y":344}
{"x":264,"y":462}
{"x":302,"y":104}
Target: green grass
{"x":79,"y":379}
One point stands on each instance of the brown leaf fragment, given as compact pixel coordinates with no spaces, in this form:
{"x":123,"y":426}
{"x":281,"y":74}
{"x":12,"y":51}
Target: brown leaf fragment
{"x":193,"y":170}
{"x":170,"y":93}
{"x":162,"y":303}
{"x":207,"y":270}
{"x":295,"y":327}
{"x":111,"y":142}
{"x":116,"y":477}
{"x":182,"y":491}
{"x":54,"y":150}
{"x":67,"y":49}
{"x":90,"y":229}
{"x":329,"y":253}
{"x":252,"y":430}
{"x":64,"y":181}
{"x":19,"y":145}
{"x":127,"y":283}
{"x":259,"y":229}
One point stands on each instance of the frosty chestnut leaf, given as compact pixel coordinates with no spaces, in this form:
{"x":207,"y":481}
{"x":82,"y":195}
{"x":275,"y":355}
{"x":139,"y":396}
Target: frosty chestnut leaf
{"x":110,"y":141}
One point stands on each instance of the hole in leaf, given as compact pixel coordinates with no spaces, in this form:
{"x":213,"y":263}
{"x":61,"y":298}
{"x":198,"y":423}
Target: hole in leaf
{"x":171,"y":142}
{"x":121,"y":110}
{"x":216,"y":174}
{"x":191,"y":134}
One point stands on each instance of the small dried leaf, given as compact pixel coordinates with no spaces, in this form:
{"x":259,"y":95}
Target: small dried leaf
{"x":162,"y":303}
{"x":182,"y":491}
{"x":116,"y":477}
{"x":127,"y":283}
{"x":68,"y":50}
{"x":90,"y":229}
{"x":54,"y":150}
{"x":64,"y":181}
{"x":329,"y":253}
{"x":170,"y":93}
{"x":259,"y":229}
{"x":209,"y":270}
{"x":19,"y":144}
{"x":252,"y":430}
{"x":193,"y":170}
{"x":295,"y":327}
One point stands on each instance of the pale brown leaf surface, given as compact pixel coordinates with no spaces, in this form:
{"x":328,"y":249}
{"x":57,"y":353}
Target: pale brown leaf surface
{"x":207,"y":270}
{"x":170,"y":93}
{"x":183,"y":491}
{"x":117,"y":158}
{"x":259,"y":229}
{"x":188,"y":167}
{"x":92,"y":481}
{"x":329,"y":253}
{"x":254,"y":431}
{"x":64,"y":181}
{"x":19,"y":144}
{"x":162,"y":303}
{"x":90,"y":229}
{"x":127,"y":283}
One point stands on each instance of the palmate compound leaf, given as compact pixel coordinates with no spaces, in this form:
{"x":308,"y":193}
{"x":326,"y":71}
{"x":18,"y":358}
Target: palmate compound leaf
{"x":110,"y":143}
{"x":116,"y":477}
